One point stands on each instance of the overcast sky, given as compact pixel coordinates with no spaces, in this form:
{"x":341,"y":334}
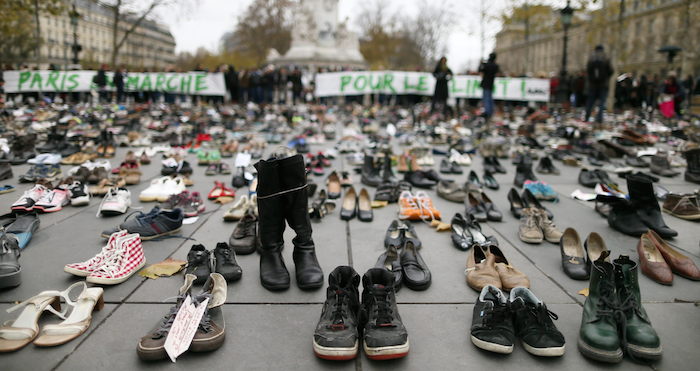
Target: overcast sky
{"x":203,"y":24}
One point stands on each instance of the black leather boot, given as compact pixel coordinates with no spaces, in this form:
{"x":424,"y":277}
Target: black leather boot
{"x":387,"y":173}
{"x":296,"y":211}
{"x":273,"y":273}
{"x":370,"y":173}
{"x":692,"y":174}
{"x":623,"y":218}
{"x":643,"y":199}
{"x":524,"y":172}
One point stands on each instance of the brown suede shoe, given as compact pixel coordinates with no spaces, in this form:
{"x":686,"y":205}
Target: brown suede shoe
{"x":652,"y":262}
{"x":212,"y":330}
{"x":481,"y":269}
{"x":679,"y":263}
{"x":685,"y":206}
{"x":509,"y":275}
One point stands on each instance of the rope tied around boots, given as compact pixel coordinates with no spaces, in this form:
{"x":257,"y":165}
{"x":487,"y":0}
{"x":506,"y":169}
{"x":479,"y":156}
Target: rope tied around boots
{"x":282,"y":192}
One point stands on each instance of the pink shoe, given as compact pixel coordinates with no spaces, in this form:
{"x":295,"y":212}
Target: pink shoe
{"x":125,"y":260}
{"x":85,"y":268}
{"x":53,"y":200}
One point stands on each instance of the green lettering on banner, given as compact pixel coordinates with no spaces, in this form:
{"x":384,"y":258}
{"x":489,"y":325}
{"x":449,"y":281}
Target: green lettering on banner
{"x":388,"y":80}
{"x":63,"y":81}
{"x":344,"y":81}
{"x":185,"y":82}
{"x":454,"y":89}
{"x":422,"y":83}
{"x":406,"y":86}
{"x":376,"y":87}
{"x":476,"y":85}
{"x":146,"y":83}
{"x":132,"y":83}
{"x":36,"y":80}
{"x":169,"y":87}
{"x":51,"y":81}
{"x":504,"y":84}
{"x":522,"y":87}
{"x":73,"y":79}
{"x":23,"y":77}
{"x":357,"y":86}
{"x":160,"y":80}
{"x":200,"y":82}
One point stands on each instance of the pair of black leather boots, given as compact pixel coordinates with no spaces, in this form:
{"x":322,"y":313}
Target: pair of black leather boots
{"x":283,"y":197}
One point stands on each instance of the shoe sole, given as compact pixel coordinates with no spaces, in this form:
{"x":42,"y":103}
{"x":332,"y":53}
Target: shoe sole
{"x":599,"y":354}
{"x":685,"y":217}
{"x":651,"y":354}
{"x":492,"y":347}
{"x":48,"y":209}
{"x":148,"y":238}
{"x":530,"y":240}
{"x":11,"y":280}
{"x":417,"y":286}
{"x":208,"y":345}
{"x":79,"y":202}
{"x":388,"y":352}
{"x":545,"y":352}
{"x":151,"y":354}
{"x":336,"y":353}
{"x":148,"y":198}
{"x":111,"y":212}
{"x":76,"y":272}
{"x":114,"y":281}
{"x":311,"y":286}
{"x":281,"y":287}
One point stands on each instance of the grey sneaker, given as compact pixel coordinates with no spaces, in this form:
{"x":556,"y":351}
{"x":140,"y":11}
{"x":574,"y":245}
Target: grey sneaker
{"x":157,"y":223}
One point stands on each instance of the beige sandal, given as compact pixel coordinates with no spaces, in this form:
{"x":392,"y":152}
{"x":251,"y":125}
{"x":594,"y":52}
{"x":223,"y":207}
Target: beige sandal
{"x":77,"y":322}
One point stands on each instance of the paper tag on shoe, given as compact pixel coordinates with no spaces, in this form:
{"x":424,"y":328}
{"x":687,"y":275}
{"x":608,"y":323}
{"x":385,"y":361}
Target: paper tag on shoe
{"x":184,"y":327}
{"x":243,"y":159}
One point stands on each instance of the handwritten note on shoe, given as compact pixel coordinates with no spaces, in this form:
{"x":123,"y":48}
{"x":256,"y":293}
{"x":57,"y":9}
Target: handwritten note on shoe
{"x":184,"y":327}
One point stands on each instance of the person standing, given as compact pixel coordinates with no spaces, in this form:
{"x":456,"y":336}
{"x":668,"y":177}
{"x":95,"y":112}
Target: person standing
{"x":231,"y":79}
{"x":442,"y":74}
{"x":599,"y":71}
{"x":100,"y":81}
{"x":488,"y":70}
{"x":118,"y":80}
{"x":297,"y":85}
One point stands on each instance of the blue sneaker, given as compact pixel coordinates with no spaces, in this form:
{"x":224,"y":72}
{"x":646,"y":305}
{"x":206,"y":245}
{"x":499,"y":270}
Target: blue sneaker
{"x":547,"y":191}
{"x":23,"y":228}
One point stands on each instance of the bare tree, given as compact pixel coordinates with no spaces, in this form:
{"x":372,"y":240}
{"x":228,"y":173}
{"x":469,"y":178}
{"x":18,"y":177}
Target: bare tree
{"x":265,"y":25}
{"x":430,"y":28}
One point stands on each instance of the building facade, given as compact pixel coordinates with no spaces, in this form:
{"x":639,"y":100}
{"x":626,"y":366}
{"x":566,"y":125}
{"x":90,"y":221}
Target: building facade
{"x":151,"y":45}
{"x":633,"y":40}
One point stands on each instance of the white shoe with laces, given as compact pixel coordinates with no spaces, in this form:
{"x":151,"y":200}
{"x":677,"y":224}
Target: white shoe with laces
{"x":155,"y":190}
{"x":116,"y":202}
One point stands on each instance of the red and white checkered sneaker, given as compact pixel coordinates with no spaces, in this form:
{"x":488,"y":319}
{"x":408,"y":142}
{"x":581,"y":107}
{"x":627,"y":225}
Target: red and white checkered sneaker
{"x":126,"y":259}
{"x":84,"y":269}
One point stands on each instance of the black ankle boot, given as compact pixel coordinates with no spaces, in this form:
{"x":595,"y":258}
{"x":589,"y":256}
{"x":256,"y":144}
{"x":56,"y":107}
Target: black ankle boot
{"x":273,"y":272}
{"x":692,"y":174}
{"x":370,"y":173}
{"x":623,"y":218}
{"x":387,"y":173}
{"x":524,"y":172}
{"x":643,"y":199}
{"x":296,"y":212}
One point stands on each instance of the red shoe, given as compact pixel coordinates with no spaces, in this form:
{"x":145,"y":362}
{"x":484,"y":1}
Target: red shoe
{"x":220,"y":190}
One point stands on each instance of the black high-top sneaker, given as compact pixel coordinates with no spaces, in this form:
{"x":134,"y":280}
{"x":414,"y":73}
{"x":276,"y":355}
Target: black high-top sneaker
{"x":492,"y":323}
{"x":384,"y":335}
{"x":336,"y":334}
{"x":534,"y":326}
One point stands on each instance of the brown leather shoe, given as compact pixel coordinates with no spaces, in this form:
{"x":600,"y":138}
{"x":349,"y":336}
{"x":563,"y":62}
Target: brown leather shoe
{"x":652,"y":262}
{"x":679,"y":263}
{"x":481,"y":269}
{"x":684,"y":206}
{"x":509,"y":275}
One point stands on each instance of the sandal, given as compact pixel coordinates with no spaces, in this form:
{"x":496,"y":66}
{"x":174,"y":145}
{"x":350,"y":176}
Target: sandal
{"x":220,"y":190}
{"x":77,"y":322}
{"x":25,"y":328}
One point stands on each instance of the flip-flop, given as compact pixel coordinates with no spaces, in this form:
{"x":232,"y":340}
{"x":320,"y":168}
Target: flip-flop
{"x":6,"y":189}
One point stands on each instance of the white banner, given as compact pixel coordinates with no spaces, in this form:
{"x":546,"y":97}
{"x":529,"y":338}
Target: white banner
{"x":199,"y":83}
{"x":421,"y":83}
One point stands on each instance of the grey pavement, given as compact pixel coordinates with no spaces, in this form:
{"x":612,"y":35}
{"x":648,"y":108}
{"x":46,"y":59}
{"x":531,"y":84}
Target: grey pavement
{"x":272,"y":331}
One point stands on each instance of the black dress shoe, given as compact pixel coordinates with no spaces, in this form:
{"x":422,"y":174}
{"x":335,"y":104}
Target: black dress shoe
{"x":394,"y":234}
{"x":391,"y":261}
{"x":475,"y":208}
{"x":364,"y":206}
{"x":418,"y":179}
{"x":529,"y":200}
{"x":461,"y":238}
{"x":432,"y":175}
{"x":199,"y":263}
{"x":488,"y":165}
{"x":473,"y":180}
{"x":587,"y":178}
{"x":416,"y":274}
{"x":456,"y":168}
{"x":635,"y":161}
{"x":490,"y":182}
{"x":497,"y":165}
{"x":445,"y":166}
{"x":573,"y":257}
{"x":348,"y":208}
{"x":516,"y":203}
{"x":492,"y":213}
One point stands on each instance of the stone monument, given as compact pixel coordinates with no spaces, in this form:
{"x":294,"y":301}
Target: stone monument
{"x":319,"y":39}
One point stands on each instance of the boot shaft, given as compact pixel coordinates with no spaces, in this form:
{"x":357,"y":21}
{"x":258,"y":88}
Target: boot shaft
{"x":627,"y":279}
{"x":693,"y":159}
{"x":641,"y":190}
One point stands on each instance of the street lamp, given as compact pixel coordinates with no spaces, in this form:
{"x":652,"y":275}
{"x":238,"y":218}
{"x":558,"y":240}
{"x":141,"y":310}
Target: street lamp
{"x":567,"y":15}
{"x":76,"y":48}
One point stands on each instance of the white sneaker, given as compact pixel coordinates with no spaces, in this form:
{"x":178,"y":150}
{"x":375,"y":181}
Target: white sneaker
{"x":79,"y":194}
{"x":116,"y":202}
{"x":172,"y":186}
{"x":45,"y":158}
{"x":154,"y":191}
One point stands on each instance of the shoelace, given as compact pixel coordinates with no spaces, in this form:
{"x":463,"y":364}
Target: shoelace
{"x":113,"y":262}
{"x":498,"y":313}
{"x":383,"y":312}
{"x":111,"y":196}
{"x":541,"y":315}
{"x":167,"y":321}
{"x":226,"y":253}
{"x":338,"y":314}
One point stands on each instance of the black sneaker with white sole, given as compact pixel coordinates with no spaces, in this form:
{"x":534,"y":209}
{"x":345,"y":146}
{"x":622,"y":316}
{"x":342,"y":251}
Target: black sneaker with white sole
{"x":79,"y":195}
{"x":384,"y":334}
{"x":157,"y":223}
{"x":492,"y":322}
{"x":534,"y":325}
{"x":336,"y":336}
